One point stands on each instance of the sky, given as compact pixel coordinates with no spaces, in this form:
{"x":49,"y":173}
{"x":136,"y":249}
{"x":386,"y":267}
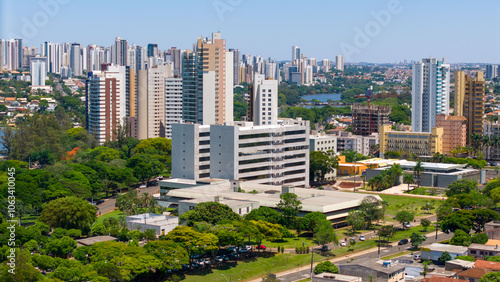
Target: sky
{"x":376,"y":31}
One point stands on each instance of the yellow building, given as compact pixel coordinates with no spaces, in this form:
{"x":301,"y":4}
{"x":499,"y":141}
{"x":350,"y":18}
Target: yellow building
{"x":350,"y":168}
{"x":469,"y":101}
{"x":418,"y":143}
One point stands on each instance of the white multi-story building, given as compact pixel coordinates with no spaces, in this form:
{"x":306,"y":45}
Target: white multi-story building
{"x":430,"y":93}
{"x":265,"y":100}
{"x":323,"y":143}
{"x":53,"y":53}
{"x":266,"y":154}
{"x":106,"y":102}
{"x":75,"y":59}
{"x":38,"y":71}
{"x":491,"y":71}
{"x":173,"y":103}
{"x":358,"y":143}
{"x":339,"y":62}
{"x":295,"y":53}
{"x":119,"y":52}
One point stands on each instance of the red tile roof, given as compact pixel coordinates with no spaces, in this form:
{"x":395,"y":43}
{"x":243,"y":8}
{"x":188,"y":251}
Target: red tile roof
{"x":493,"y":265}
{"x":442,"y":279}
{"x":474,"y":273}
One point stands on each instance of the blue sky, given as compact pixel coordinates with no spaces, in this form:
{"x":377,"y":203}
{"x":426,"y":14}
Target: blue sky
{"x":458,"y":30}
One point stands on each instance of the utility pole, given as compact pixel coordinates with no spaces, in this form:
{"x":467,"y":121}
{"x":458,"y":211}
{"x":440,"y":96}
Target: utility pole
{"x":312,"y":260}
{"x":379,"y":245}
{"x":437,"y":224}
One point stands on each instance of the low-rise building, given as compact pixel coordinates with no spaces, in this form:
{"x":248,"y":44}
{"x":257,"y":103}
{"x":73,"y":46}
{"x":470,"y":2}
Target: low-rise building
{"x":481,"y":250}
{"x":335,"y":277}
{"x":358,"y":143}
{"x":324,"y":143}
{"x":434,"y":251}
{"x":161,"y":224}
{"x":334,"y":205}
{"x":378,"y":270}
{"x":417,"y":143}
{"x":474,"y":274}
{"x":492,"y":229}
{"x":240,"y":207}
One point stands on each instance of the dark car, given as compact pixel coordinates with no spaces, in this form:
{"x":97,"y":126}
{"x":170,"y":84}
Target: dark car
{"x":403,"y":242}
{"x":324,"y":248}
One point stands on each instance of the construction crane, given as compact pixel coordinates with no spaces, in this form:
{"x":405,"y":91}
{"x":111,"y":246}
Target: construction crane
{"x":368,"y":95}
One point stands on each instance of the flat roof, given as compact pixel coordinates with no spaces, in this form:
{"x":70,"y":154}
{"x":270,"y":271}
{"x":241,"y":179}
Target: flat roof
{"x":376,"y":264}
{"x":447,"y":248}
{"x":494,"y":248}
{"x":92,"y":240}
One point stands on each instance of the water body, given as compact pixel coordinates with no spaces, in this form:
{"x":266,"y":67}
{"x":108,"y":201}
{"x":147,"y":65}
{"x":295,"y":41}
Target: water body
{"x":322,"y":97}
{"x":321,"y":106}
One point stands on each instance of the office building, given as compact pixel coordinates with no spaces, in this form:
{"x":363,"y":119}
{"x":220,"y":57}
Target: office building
{"x":430,"y":93}
{"x":264,"y":101}
{"x":151,"y":101}
{"x":52,"y":51}
{"x":208,"y":82}
{"x":267,"y":154}
{"x":367,"y":119}
{"x":417,"y":143}
{"x":236,"y":66}
{"x":75,"y":61}
{"x":295,"y":53}
{"x":361,"y":144}
{"x":454,"y":131}
{"x":469,"y":96}
{"x":325,"y":65}
{"x":173,"y":103}
{"x":491,"y":71}
{"x":152,"y":50}
{"x":106,"y":102}
{"x":140,"y":58}
{"x":339,"y":62}
{"x":38,"y":71}
{"x":11,"y":54}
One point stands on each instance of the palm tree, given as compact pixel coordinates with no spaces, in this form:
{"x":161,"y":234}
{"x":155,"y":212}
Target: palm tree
{"x":495,"y":143}
{"x":476,"y":141}
{"x":408,"y":179}
{"x":418,"y":170}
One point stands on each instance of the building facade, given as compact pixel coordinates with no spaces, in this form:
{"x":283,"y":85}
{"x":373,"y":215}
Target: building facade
{"x":339,"y":62}
{"x":430,"y":93}
{"x":418,"y":143}
{"x":173,"y":103}
{"x":38,"y":71}
{"x":491,"y":71}
{"x":454,"y":131}
{"x":358,"y":143}
{"x":266,"y":154}
{"x":469,"y":93}
{"x":367,"y":119}
{"x":265,"y":101}
{"x":492,"y":151}
{"x":207,"y":74}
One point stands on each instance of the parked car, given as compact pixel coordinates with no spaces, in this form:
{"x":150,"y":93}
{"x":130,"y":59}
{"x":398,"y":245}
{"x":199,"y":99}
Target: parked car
{"x":231,"y":249}
{"x":243,"y":250}
{"x":142,"y":186}
{"x":218,"y":259}
{"x":342,"y":243}
{"x":207,"y":261}
{"x":324,"y":248}
{"x":262,"y":247}
{"x":403,"y":242}
{"x":406,"y":224}
{"x":361,"y":237}
{"x":226,"y":258}
{"x":417,"y":257}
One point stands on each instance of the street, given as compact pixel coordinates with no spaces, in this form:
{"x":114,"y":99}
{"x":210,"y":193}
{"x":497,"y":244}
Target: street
{"x":109,"y":204}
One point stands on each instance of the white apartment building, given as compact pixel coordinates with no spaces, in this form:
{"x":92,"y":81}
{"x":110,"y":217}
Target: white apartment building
{"x":430,"y":93}
{"x":265,"y":100}
{"x":266,"y":154}
{"x":173,"y":103}
{"x":323,"y":143}
{"x":361,"y":144}
{"x":38,"y":71}
{"x":106,"y":102}
{"x":339,"y":62}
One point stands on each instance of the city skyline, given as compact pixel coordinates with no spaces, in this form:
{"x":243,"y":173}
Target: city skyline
{"x":381,"y":32}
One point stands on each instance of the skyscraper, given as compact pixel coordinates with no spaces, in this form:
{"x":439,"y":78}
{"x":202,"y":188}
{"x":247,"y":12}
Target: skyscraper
{"x":173,"y":103}
{"x":53,"y":53}
{"x":430,"y":93}
{"x":75,"y":61}
{"x":236,"y":66}
{"x":119,"y":52}
{"x":491,"y":71}
{"x":152,"y":50}
{"x":339,"y":62}
{"x":13,"y":54}
{"x":469,"y":96}
{"x":295,"y":53}
{"x":207,"y":87}
{"x":265,"y":101}
{"x":106,"y":102}
{"x":38,"y":71}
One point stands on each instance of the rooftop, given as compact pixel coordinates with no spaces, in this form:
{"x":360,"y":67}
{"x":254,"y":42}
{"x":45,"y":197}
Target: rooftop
{"x":483,"y":247}
{"x":474,"y":273}
{"x":92,"y":240}
{"x":493,"y":265}
{"x":377,"y":265}
{"x":447,"y":248}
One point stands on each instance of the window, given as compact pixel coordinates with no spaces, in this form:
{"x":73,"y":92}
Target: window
{"x":248,"y":209}
{"x":239,"y":210}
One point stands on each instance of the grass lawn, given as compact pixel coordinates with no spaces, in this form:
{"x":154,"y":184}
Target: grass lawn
{"x":111,"y":214}
{"x":266,"y":263}
{"x":399,"y":203}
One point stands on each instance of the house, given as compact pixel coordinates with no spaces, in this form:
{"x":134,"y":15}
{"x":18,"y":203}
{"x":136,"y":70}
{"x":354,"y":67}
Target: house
{"x":492,"y":229}
{"x":458,"y":264}
{"x":334,"y":277}
{"x":161,"y":224}
{"x":442,"y":279}
{"x":491,"y":265}
{"x":435,"y":250}
{"x":378,"y":270}
{"x":474,"y":274}
{"x":480,"y":250}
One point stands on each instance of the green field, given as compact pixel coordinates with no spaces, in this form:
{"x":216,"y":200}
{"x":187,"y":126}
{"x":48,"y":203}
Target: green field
{"x":395,"y":255}
{"x":267,"y":263}
{"x":399,"y":203}
{"x":115,"y":213}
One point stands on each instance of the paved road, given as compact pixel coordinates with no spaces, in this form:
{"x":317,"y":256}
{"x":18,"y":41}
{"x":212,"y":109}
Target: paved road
{"x":304,"y":272}
{"x":109,"y":204}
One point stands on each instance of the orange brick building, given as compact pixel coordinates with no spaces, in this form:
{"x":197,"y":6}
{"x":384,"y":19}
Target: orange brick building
{"x":454,"y":131}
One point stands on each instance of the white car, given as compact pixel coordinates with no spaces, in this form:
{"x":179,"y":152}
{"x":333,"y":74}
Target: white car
{"x":342,"y":243}
{"x":407,"y":225}
{"x":142,"y":186}
{"x":361,"y":237}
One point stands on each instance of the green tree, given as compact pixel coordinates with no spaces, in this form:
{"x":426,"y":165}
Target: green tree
{"x":289,"y":205}
{"x":24,"y":270}
{"x":425,"y":223}
{"x":98,"y":229}
{"x":404,"y":216}
{"x":463,"y":220}
{"x":264,"y":213}
{"x":311,"y":220}
{"x":445,"y":257}
{"x":371,"y":209}
{"x":408,"y":179}
{"x":324,"y":233}
{"x":355,"y":219}
{"x":461,"y":186}
{"x":460,"y":238}
{"x":466,"y":258}
{"x":211,"y":212}
{"x":321,"y":163}
{"x":193,"y":242}
{"x":68,"y":212}
{"x":416,"y":239}
{"x":480,"y":238}
{"x":491,"y":277}
{"x":145,"y":166}
{"x":170,"y":253}
{"x":61,"y":247}
{"x":418,"y":170}
{"x":325,"y":266}
{"x":386,"y":231}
